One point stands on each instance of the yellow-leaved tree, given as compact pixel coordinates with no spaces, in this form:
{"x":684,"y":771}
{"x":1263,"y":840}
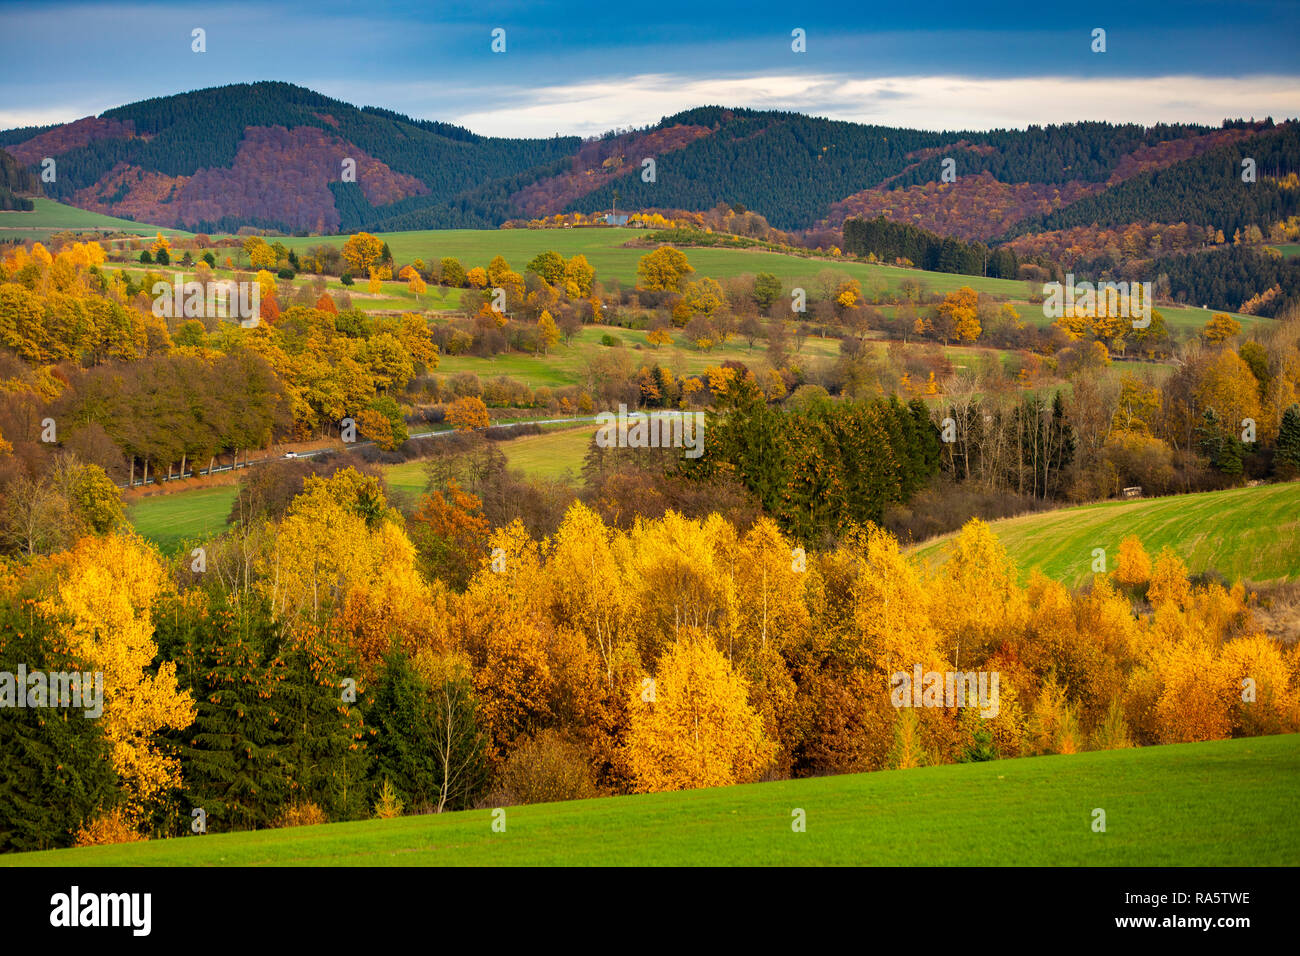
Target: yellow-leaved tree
{"x":1134,"y":565}
{"x":693,"y":727}
{"x":978,"y":602}
{"x":891,"y":614}
{"x":329,"y":542}
{"x":103,"y":602}
{"x":587,"y":586}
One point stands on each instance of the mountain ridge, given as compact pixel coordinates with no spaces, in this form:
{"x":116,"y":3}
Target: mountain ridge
{"x":271,"y":155}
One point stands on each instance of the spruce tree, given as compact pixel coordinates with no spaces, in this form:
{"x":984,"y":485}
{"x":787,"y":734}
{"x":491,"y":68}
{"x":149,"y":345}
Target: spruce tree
{"x":404,"y":745}
{"x":231,"y":763}
{"x":57,"y":772}
{"x":325,"y":750}
{"x":1288,"y":438}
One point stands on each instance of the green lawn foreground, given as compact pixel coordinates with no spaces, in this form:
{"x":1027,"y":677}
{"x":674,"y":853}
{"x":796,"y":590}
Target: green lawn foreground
{"x":1229,"y":802}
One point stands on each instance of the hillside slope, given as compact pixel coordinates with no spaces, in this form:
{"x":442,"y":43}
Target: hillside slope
{"x":1221,"y":803}
{"x":1242,"y":533}
{"x":270,"y":154}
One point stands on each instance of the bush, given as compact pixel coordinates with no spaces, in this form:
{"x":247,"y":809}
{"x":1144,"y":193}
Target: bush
{"x":106,"y":829}
{"x":305,"y":814}
{"x":506,"y":432}
{"x":346,"y":278}
{"x":546,"y":768}
{"x":286,"y":273}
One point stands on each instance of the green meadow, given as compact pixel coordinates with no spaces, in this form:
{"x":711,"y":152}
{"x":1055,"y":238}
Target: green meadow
{"x":50,"y":217}
{"x":1242,"y":533}
{"x":606,"y":248}
{"x":608,"y":252}
{"x":1222,"y":803}
{"x":172,"y":519}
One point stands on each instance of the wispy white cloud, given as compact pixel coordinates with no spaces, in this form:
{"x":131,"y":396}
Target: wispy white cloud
{"x":927,"y":102}
{"x":591,"y":106}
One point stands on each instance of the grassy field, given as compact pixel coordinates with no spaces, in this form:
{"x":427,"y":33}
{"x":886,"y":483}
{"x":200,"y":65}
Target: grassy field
{"x":555,"y":454}
{"x":607,"y":250}
{"x":169,"y":520}
{"x":50,"y":217}
{"x":1223,"y":803}
{"x":1242,"y":533}
{"x":570,"y":364}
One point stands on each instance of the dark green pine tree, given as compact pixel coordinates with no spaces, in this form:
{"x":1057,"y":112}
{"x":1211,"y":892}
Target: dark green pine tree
{"x":1224,"y":450}
{"x":1288,"y":438}
{"x":231,"y":764}
{"x":404,"y":745}
{"x":325,"y":738}
{"x":56,"y":771}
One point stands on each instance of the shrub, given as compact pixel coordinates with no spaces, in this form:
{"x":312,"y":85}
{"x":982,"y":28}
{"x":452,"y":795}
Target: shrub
{"x":546,"y":768}
{"x":301,"y":815}
{"x":107,"y":828}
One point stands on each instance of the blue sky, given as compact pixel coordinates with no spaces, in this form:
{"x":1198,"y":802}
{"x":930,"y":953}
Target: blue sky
{"x":586,"y":67}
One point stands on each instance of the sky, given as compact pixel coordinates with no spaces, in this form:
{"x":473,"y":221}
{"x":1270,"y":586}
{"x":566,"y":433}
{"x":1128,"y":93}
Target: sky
{"x":584,"y":68}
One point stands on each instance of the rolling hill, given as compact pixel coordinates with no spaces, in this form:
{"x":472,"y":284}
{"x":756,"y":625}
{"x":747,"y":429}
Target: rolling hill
{"x":1242,"y":533}
{"x":270,"y":154}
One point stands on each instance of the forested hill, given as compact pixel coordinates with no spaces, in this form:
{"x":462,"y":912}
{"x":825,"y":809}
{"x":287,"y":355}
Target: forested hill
{"x":267,"y":154}
{"x":16,"y":183}
{"x":271,"y":154}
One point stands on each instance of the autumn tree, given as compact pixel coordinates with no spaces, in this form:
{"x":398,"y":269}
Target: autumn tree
{"x":548,"y":265}
{"x":579,"y":276}
{"x":453,"y":273}
{"x":697,"y":729}
{"x":1220,"y":328}
{"x":467,"y":413}
{"x":103,"y":600}
{"x":663,"y":270}
{"x":548,"y":333}
{"x":450,"y":533}
{"x":363,"y":252}
{"x":961,"y":310}
{"x":1133,"y":566}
